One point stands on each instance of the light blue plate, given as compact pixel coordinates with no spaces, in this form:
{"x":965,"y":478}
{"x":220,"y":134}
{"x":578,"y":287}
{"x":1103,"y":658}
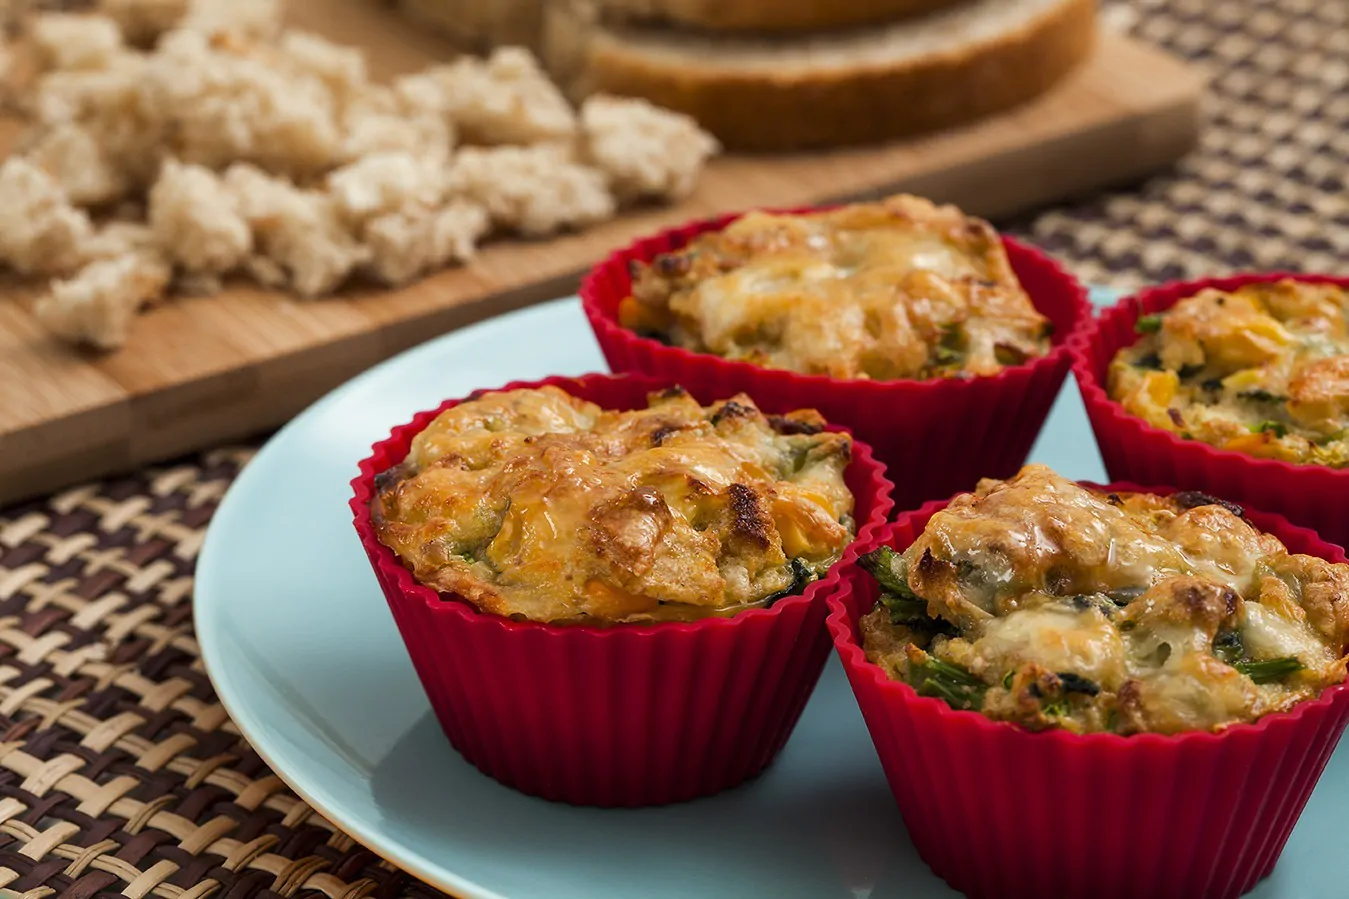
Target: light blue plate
{"x":305,"y":656}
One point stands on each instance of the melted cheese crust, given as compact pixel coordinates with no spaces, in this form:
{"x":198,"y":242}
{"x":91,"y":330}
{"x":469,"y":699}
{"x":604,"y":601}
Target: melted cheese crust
{"x":537,"y":505}
{"x":1128,"y":613}
{"x":898,"y":289}
{"x":1262,"y":370}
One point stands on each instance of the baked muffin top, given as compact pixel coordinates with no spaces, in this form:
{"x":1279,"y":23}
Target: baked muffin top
{"x":1262,"y":370}
{"x":537,"y":505}
{"x":896,"y":289}
{"x":1037,"y":601}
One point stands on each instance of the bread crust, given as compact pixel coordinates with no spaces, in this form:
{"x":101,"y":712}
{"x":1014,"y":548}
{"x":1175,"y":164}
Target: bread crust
{"x":768,"y":16}
{"x":479,"y":26}
{"x":798,"y":108}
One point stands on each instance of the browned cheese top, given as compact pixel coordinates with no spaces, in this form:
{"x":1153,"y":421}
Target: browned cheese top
{"x":1261,"y":370}
{"x":1038,"y":601}
{"x":537,"y":505}
{"x":896,"y":289}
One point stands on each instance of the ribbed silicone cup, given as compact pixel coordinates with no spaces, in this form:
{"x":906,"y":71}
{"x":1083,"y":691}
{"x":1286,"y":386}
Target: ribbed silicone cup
{"x":1310,"y":495}
{"x":628,"y":715}
{"x":999,"y":811}
{"x":935,"y":437}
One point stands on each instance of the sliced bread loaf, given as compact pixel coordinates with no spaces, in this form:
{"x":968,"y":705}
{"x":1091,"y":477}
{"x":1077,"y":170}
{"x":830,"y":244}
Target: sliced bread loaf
{"x":479,"y":26}
{"x":766,"y":16}
{"x":831,"y":89}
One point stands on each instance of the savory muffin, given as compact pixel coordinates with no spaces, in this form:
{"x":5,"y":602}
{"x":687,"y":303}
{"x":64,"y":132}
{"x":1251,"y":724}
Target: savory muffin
{"x":1038,"y":601}
{"x":1262,"y":370}
{"x":896,"y":289}
{"x":535,"y":504}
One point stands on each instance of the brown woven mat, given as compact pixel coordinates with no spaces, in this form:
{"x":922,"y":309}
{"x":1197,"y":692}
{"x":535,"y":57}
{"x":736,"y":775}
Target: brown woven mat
{"x":120,"y":773}
{"x":1268,"y":187}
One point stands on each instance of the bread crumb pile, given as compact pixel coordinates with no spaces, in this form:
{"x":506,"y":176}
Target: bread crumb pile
{"x":172,"y":143}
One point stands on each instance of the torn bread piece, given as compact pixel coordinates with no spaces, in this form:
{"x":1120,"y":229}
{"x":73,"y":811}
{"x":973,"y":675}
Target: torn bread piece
{"x":406,"y":244}
{"x":74,"y":156}
{"x":230,"y":105}
{"x":378,"y":119}
{"x":266,"y":271}
{"x":646,"y":151}
{"x":96,"y":306}
{"x":534,"y":191}
{"x":260,"y":196}
{"x":113,"y":105}
{"x":298,"y":232}
{"x":506,"y":98}
{"x":72,"y":95}
{"x":40,"y":231}
{"x":386,"y":182}
{"x":196,"y":219}
{"x":120,"y":238}
{"x":74,"y":41}
{"x":341,"y":68}
{"x":424,"y":90}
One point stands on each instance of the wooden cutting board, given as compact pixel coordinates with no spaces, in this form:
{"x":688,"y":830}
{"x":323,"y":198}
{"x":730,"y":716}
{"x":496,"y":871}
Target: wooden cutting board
{"x":197,"y":372}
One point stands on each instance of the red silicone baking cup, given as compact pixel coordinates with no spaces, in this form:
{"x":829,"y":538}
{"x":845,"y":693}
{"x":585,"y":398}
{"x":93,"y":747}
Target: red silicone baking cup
{"x":935,"y":437}
{"x":623,"y":716}
{"x":999,"y":811}
{"x":1310,"y":495}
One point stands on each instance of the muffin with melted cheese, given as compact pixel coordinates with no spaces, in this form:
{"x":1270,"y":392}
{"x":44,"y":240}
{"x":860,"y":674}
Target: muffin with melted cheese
{"x":1038,"y":601}
{"x":890,"y":290}
{"x":1262,"y":369}
{"x":537,"y":505}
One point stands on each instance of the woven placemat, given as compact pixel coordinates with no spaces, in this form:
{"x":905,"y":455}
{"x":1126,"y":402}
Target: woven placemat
{"x":1268,"y":187}
{"x":121,"y":774}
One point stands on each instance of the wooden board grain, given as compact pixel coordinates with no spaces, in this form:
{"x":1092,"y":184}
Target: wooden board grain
{"x":200,"y":371}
